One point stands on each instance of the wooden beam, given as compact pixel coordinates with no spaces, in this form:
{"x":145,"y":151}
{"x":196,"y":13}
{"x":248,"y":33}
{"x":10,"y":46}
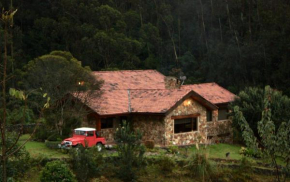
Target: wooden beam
{"x":185,"y":116}
{"x":98,"y":124}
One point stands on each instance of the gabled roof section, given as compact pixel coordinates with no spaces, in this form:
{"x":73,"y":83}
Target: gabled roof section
{"x":157,"y":101}
{"x":131,"y":79}
{"x":212,"y":92}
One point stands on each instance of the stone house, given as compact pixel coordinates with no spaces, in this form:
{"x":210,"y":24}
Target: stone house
{"x":164,"y":110}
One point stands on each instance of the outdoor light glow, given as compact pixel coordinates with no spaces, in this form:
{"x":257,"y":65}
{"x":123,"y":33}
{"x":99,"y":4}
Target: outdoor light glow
{"x":187,"y":102}
{"x":81,"y":83}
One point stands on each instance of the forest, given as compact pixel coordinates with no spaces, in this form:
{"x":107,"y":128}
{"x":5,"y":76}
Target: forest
{"x":48,"y":49}
{"x":237,"y":43}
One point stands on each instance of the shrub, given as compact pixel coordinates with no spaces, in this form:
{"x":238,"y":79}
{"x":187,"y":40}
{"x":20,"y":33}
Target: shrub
{"x":52,"y":144}
{"x":57,"y":171}
{"x":250,"y":152}
{"x":149,"y":144}
{"x":41,"y":134}
{"x":86,"y":163}
{"x":54,"y":136}
{"x":245,"y":166}
{"x":198,"y":164}
{"x":165,"y":163}
{"x":173,"y":149}
{"x":130,"y":152}
{"x":18,"y":163}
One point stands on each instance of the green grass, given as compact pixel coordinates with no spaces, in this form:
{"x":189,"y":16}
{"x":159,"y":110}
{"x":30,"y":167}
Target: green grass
{"x":220,"y":150}
{"x":38,"y":149}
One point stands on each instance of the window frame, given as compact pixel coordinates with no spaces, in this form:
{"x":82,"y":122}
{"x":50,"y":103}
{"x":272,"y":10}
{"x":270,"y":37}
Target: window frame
{"x":194,"y":119}
{"x":209,"y":112}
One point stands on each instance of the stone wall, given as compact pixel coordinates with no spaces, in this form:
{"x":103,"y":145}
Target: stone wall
{"x":108,"y":134}
{"x":220,"y":131}
{"x":188,"y":107}
{"x":152,"y":128}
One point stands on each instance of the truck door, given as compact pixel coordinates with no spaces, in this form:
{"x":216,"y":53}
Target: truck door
{"x":90,"y":138}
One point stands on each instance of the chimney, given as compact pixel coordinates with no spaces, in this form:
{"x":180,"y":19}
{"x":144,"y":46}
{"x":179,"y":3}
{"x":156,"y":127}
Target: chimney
{"x":172,"y":82}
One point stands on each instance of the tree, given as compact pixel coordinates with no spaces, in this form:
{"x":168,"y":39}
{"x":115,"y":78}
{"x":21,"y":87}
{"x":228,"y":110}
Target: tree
{"x":130,"y":152}
{"x":60,"y":75}
{"x":251,"y":102}
{"x":9,"y":145}
{"x":273,"y":141}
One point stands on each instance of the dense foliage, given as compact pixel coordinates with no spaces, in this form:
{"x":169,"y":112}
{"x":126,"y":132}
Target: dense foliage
{"x":18,"y":163}
{"x":57,"y":171}
{"x":86,"y":163}
{"x":273,"y":141}
{"x":251,"y":102}
{"x":130,"y":152}
{"x":234,"y":43}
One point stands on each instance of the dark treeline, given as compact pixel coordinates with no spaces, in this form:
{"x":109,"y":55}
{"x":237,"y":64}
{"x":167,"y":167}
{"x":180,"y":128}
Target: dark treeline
{"x":235,"y":43}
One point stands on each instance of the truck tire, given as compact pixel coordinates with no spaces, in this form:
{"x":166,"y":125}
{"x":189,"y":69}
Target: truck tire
{"x":99,"y":147}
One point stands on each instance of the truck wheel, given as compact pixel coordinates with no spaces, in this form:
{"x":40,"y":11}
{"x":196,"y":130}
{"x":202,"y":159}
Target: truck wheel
{"x":99,"y":147}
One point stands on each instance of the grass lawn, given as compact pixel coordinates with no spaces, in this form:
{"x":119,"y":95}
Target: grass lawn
{"x":220,"y":150}
{"x":38,"y":149}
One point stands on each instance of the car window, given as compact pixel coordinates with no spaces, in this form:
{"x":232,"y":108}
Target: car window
{"x":90,"y":133}
{"x":79,"y":132}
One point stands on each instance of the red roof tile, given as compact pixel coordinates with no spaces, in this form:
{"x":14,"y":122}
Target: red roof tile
{"x":141,"y":101}
{"x":211,"y":92}
{"x":155,"y":101}
{"x":148,"y":93}
{"x":131,"y":79}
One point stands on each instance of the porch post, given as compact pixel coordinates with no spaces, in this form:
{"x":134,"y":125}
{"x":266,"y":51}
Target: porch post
{"x":98,"y":124}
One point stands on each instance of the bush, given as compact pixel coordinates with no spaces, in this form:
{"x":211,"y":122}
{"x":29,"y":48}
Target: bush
{"x":86,"y":163}
{"x":198,"y":164}
{"x":57,"y":171}
{"x":165,"y":163}
{"x":173,"y":149}
{"x":250,"y":152}
{"x":130,"y":152}
{"x":41,"y":134}
{"x":54,"y":136}
{"x":18,"y":163}
{"x":149,"y":144}
{"x":52,"y":144}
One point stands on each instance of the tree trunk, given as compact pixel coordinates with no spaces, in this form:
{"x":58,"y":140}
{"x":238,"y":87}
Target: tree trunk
{"x":3,"y":124}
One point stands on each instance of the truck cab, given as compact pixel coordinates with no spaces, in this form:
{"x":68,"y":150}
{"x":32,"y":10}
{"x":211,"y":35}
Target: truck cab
{"x":86,"y":137}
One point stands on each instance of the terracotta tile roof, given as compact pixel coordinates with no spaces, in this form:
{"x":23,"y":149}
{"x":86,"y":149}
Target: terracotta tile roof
{"x":148,"y":93}
{"x":155,"y":101}
{"x":131,"y":79}
{"x":141,"y":101}
{"x":212,"y":92}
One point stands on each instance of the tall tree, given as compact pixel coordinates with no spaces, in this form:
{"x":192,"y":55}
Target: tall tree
{"x":60,"y":75}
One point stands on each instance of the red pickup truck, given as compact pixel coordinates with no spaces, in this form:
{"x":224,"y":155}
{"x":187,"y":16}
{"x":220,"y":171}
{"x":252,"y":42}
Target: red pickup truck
{"x":86,"y":137}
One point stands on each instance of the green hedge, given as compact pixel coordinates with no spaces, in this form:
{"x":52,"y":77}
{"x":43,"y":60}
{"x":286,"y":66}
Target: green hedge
{"x":52,"y":144}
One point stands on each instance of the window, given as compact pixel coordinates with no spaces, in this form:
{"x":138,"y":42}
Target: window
{"x":222,"y":114}
{"x":79,"y":132}
{"x":185,"y":125}
{"x":106,"y":123}
{"x":90,"y":133}
{"x":208,"y":115}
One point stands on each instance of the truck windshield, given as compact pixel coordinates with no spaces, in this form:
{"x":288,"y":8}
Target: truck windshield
{"x":79,"y":132}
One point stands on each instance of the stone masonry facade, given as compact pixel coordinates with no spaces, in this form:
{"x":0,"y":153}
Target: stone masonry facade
{"x":160,"y":128}
{"x":186,"y":138}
